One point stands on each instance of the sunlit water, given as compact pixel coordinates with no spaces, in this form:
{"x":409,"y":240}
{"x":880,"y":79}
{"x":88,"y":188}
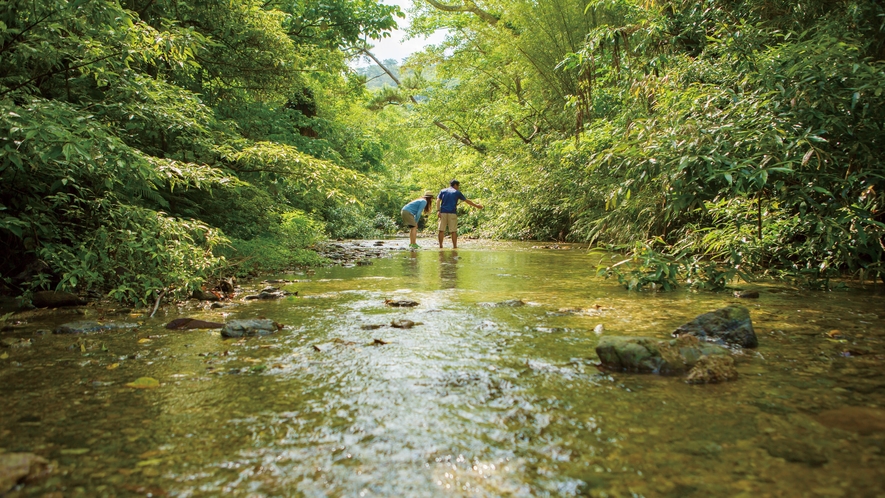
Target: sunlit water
{"x":475,"y":400}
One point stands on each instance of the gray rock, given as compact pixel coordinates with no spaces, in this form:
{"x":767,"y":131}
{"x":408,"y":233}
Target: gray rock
{"x":730,"y":325}
{"x":249,"y":328}
{"x":89,"y":327}
{"x":650,"y":355}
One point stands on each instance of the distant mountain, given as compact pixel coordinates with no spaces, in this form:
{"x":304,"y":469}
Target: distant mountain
{"x":376,"y":77}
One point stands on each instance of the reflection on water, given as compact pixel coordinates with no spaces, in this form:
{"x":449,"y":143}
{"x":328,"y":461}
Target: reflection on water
{"x":448,"y":270}
{"x":471,"y":401}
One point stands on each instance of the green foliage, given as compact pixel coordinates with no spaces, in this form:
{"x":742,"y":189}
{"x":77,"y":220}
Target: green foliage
{"x":354,"y":222}
{"x":282,"y":248}
{"x":144,"y":253}
{"x":131,"y":133}
{"x":645,"y":267}
{"x":299,"y":231}
{"x":710,"y":140}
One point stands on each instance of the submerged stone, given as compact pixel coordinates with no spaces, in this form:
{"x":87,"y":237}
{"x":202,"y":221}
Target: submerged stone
{"x":89,"y":327}
{"x":730,"y":325}
{"x":192,"y":323}
{"x":650,"y":355}
{"x":250,"y":328}
{"x":510,"y":303}
{"x":712,"y":370}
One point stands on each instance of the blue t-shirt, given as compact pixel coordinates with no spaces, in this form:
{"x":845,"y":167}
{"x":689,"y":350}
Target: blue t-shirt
{"x":416,"y":207}
{"x":449,"y":200}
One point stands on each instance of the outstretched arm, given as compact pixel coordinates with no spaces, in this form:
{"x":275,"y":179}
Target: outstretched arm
{"x":477,"y":206}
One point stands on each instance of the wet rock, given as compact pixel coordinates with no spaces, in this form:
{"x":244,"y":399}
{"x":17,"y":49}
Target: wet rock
{"x":746,"y":294}
{"x":271,"y":293}
{"x":192,"y":323}
{"x":729,"y":325}
{"x":372,"y":326}
{"x":250,"y":328}
{"x":403,"y":324}
{"x":650,"y":355}
{"x":55,"y":299}
{"x":202,"y":295}
{"x":16,"y":468}
{"x":863,"y":420}
{"x":795,"y":451}
{"x":712,"y":370}
{"x":227,"y":286}
{"x":89,"y":327}
{"x":401,"y":303}
{"x":510,"y":303}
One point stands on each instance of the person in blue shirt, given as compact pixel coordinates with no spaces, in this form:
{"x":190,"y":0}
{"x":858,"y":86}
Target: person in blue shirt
{"x":447,"y":211}
{"x":412,"y":214}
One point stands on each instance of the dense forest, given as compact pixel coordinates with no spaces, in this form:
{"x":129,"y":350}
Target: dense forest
{"x":152,"y":147}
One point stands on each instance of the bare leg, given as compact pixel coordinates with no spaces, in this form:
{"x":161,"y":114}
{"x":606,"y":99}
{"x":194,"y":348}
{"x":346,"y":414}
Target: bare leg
{"x":454,"y":240}
{"x":442,"y":235}
{"x":413,"y":235}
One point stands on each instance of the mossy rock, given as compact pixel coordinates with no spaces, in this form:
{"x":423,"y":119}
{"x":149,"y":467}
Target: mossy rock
{"x":729,"y":325}
{"x":651,"y":355}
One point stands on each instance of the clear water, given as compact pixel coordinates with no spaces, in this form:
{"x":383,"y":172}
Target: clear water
{"x":474,"y":400}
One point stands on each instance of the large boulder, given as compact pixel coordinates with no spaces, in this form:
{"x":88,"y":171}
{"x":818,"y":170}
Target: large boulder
{"x":250,"y":328}
{"x":650,"y":355}
{"x":729,"y":325}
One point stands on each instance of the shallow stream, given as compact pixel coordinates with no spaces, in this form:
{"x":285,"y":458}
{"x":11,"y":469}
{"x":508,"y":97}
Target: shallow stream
{"x":476,"y":399}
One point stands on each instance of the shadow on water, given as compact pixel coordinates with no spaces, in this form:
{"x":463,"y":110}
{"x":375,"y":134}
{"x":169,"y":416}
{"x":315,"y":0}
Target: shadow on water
{"x":475,"y":399}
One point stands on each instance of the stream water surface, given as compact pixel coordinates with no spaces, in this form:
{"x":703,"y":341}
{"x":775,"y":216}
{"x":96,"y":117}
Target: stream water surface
{"x":476,"y":399}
